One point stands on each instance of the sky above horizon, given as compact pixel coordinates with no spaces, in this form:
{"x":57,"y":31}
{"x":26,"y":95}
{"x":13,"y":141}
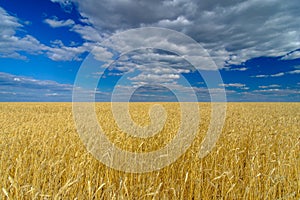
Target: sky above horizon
{"x":255,"y":46}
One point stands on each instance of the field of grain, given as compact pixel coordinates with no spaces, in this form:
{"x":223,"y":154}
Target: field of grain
{"x":256,"y":157}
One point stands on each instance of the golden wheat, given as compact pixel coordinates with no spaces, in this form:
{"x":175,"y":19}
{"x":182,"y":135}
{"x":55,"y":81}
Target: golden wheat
{"x":256,"y":157}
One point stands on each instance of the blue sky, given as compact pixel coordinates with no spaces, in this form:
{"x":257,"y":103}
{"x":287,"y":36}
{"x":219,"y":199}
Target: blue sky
{"x":254,"y":44}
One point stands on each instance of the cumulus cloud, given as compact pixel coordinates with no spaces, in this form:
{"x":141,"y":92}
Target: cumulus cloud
{"x":65,"y":4}
{"x":154,"y":61}
{"x":87,"y":33}
{"x":14,"y":46}
{"x":292,"y":56}
{"x":231,"y":31}
{"x":10,"y":44}
{"x":242,"y":29}
{"x":55,"y":23}
{"x":60,"y":52}
{"x":166,"y":40}
{"x":149,"y":66}
{"x":179,"y":21}
{"x":102,"y":54}
{"x":8,"y":23}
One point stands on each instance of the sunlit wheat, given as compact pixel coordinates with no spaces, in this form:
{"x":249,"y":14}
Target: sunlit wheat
{"x":256,"y":157}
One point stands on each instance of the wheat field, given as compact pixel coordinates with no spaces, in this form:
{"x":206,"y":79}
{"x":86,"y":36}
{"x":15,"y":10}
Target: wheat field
{"x":256,"y":157}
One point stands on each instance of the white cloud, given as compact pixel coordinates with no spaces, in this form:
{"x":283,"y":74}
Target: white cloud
{"x":60,"y":52}
{"x":17,"y":79}
{"x":8,"y":23}
{"x":231,"y":31}
{"x":52,"y":94}
{"x":14,"y":46}
{"x":243,"y":29}
{"x":54,"y":23}
{"x":269,"y":86}
{"x":237,"y":85}
{"x":297,"y":71}
{"x":261,"y":76}
{"x":237,"y":69}
{"x":10,"y":44}
{"x":277,"y":75}
{"x":151,"y":38}
{"x":102,"y":54}
{"x":22,"y":88}
{"x":147,"y":66}
{"x":292,"y":56}
{"x":87,"y":33}
{"x":271,"y":94}
{"x":277,"y":91}
{"x":180,"y":21}
{"x":234,"y":85}
{"x":65,"y":4}
{"x":156,"y":78}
